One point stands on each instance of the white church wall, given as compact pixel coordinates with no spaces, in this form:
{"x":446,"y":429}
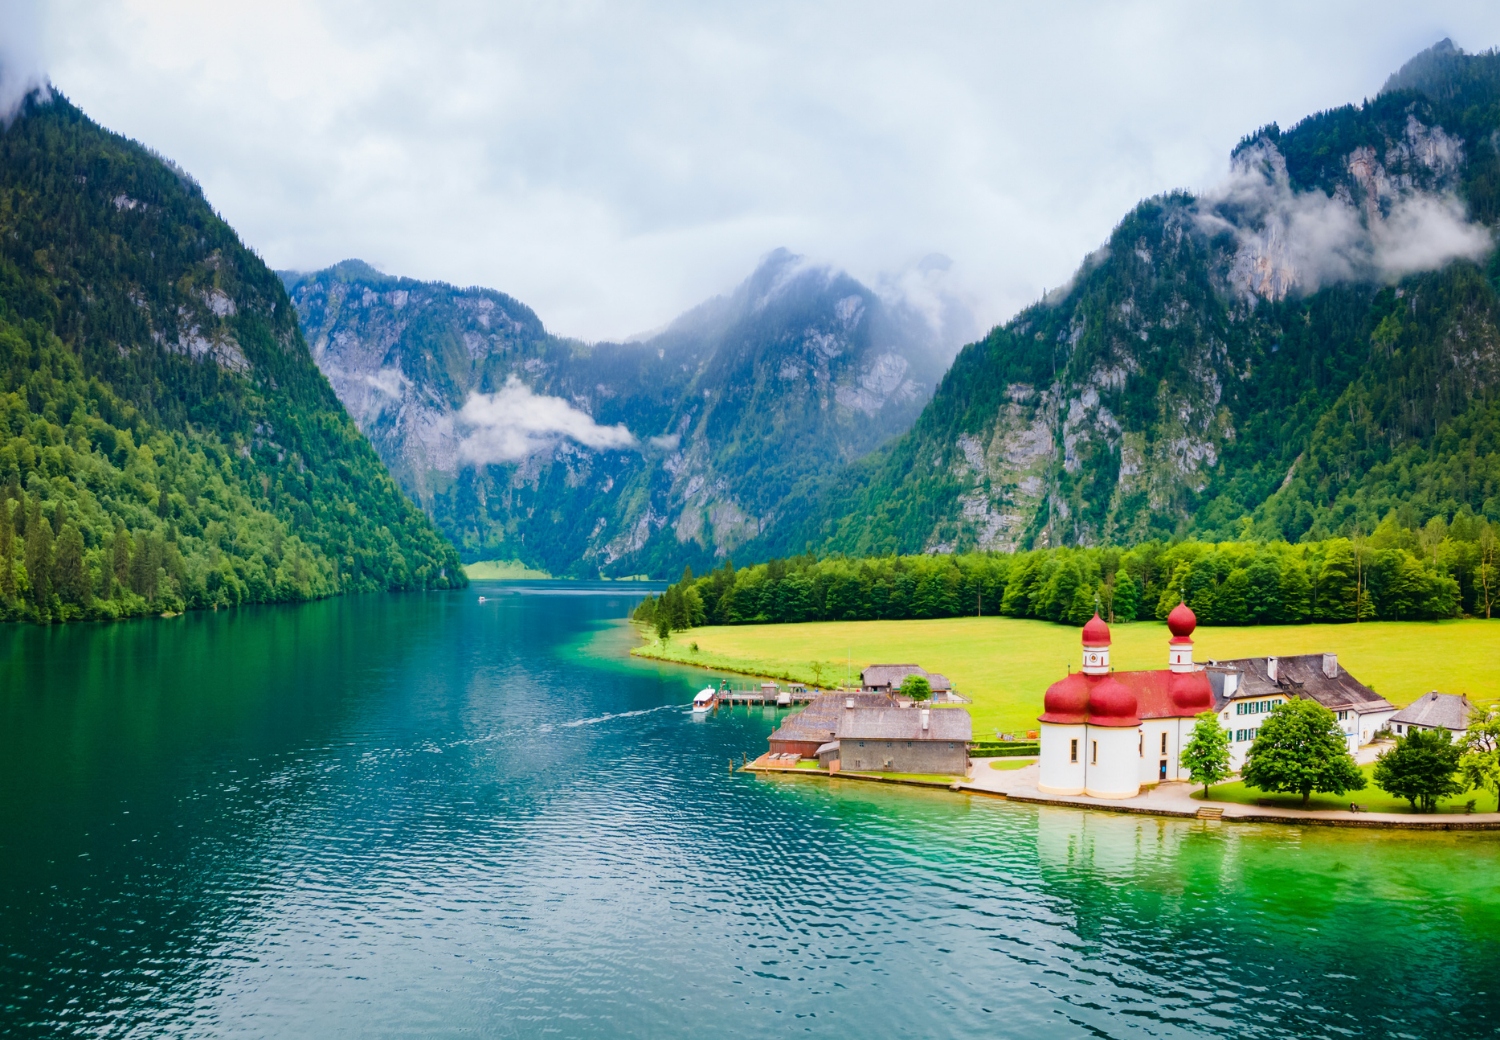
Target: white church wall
{"x":1061,"y":770}
{"x":1113,"y":762}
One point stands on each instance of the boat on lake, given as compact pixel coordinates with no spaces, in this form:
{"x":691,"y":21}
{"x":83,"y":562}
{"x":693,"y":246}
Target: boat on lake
{"x":704,"y":700}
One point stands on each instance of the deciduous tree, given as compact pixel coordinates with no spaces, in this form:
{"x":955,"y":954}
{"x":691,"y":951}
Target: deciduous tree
{"x":1300,"y":749}
{"x":1206,"y":753}
{"x":1421,"y":768}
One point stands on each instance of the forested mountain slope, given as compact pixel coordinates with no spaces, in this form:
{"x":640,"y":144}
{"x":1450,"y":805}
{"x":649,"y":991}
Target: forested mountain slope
{"x":619,"y":458}
{"x":166,"y":441}
{"x":1294,"y":355}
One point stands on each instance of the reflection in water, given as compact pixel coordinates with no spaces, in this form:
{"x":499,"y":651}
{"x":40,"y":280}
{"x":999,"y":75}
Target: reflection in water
{"x":426,"y":815}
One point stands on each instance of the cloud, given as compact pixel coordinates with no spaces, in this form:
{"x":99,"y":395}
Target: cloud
{"x":515,"y":424}
{"x":612,"y":165}
{"x":22,"y":67}
{"x":1300,"y":240}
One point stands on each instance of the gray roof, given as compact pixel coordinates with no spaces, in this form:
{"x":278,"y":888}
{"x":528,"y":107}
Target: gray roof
{"x":1299,"y":675}
{"x":881,"y":676}
{"x":820,"y":719}
{"x":905,"y":724}
{"x":1448,"y":710}
{"x":875,"y":716}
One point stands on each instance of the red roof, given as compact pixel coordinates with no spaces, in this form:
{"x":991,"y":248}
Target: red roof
{"x":1124,"y":698}
{"x":1096,"y":632}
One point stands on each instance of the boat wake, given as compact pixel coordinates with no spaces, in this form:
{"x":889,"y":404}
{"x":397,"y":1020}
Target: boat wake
{"x":617,"y":715}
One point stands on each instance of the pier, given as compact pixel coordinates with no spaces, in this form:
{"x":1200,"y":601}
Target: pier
{"x":767,"y":693}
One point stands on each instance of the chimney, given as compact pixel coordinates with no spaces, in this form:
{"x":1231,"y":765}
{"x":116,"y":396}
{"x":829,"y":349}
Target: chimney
{"x":925,"y":715}
{"x":848,"y":702}
{"x":1271,"y":668}
{"x":1331,"y":665}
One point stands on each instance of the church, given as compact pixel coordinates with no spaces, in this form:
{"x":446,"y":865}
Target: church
{"x":1106,"y":733}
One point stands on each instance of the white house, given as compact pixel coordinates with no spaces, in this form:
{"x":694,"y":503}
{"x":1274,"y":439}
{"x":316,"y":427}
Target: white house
{"x":1248,"y":688}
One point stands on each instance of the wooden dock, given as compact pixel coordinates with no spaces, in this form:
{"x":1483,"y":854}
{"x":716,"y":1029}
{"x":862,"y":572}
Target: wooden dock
{"x":767,"y":695}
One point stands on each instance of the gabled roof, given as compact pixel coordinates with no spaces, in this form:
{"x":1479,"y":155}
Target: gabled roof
{"x":875,"y":716}
{"x":1448,"y":710}
{"x":905,"y":724}
{"x":820,"y":719}
{"x":1300,"y":674}
{"x":878,"y":676}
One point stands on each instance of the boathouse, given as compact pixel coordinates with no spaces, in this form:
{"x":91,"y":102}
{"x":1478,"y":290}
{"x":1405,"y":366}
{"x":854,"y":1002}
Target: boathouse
{"x":805,"y":732}
{"x":876,"y":731}
{"x":904,"y":740}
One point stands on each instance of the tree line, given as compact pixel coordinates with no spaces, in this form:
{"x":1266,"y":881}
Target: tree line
{"x":1448,"y":567}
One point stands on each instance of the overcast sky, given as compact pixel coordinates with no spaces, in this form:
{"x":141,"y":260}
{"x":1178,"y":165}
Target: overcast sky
{"x":613,"y":164}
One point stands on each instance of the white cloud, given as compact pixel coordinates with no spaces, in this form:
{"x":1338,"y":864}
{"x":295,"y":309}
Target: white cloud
{"x":22,"y":67}
{"x":612,"y":165}
{"x":1301,"y":240}
{"x":515,"y":424}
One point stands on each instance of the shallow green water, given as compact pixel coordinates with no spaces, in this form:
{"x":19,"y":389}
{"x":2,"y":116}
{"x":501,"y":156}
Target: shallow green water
{"x":426,"y":815}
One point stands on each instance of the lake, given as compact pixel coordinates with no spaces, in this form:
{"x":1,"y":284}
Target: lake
{"x":424,"y":815}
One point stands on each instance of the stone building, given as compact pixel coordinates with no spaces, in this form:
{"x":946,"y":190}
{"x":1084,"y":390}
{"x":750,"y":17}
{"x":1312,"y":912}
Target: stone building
{"x":876,"y":732}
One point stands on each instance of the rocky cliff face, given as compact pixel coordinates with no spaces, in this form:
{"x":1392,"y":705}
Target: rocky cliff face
{"x":631,"y":457}
{"x":1186,"y":377}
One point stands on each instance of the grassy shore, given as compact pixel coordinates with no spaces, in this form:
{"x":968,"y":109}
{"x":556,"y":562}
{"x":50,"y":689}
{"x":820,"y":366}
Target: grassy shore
{"x":1005,"y":664}
{"x":503,"y":570}
{"x":1371,"y":798}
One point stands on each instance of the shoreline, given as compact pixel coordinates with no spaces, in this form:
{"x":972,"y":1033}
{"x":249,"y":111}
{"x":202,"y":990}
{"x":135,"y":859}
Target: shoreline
{"x":1172,"y":800}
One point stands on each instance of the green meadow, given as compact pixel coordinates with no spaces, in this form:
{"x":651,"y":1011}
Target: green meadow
{"x":1006,"y":664}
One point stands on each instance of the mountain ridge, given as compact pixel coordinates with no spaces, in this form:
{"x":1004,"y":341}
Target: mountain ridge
{"x":1256,"y":361}
{"x":167,"y":442}
{"x":729,"y":409}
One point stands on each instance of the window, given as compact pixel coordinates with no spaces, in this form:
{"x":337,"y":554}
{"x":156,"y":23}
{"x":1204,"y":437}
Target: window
{"x":1141,"y":750}
{"x":1163,"y":743}
{"x":1072,"y":750}
{"x":1094,"y":752}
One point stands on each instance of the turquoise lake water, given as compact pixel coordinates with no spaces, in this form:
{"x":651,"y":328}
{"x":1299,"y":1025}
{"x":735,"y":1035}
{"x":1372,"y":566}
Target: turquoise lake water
{"x":428,"y":816}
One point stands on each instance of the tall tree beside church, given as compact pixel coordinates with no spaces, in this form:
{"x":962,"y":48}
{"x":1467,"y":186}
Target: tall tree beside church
{"x":1206,"y":753}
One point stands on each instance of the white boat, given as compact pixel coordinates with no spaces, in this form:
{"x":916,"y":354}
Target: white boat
{"x":704,"y":700}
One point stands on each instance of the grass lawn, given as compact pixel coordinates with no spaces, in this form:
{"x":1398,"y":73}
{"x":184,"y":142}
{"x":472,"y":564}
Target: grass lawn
{"x":1011,"y":763}
{"x":1372,"y":798}
{"x":1006,"y":664}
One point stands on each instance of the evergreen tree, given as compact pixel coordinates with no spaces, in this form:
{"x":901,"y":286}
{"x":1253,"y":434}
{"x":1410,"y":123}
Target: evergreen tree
{"x":121,"y":552}
{"x":1337,"y":582}
{"x":1206,"y":753}
{"x":7,"y":554}
{"x":1296,"y":591}
{"x":39,"y":559}
{"x":69,"y":573}
{"x":1301,"y":749}
{"x":1127,"y":598}
{"x":1421,"y":768}
{"x":1263,"y":593}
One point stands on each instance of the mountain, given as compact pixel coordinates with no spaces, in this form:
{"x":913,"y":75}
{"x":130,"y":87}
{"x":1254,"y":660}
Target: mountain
{"x":1298,"y":352}
{"x":166,"y":441}
{"x":676,"y":449}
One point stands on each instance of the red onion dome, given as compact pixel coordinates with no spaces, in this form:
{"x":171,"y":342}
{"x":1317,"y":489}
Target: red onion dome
{"x":1096,"y":632}
{"x":1112,"y":703}
{"x":1190,"y":692}
{"x":1067,"y":701}
{"x":1182,"y":621}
